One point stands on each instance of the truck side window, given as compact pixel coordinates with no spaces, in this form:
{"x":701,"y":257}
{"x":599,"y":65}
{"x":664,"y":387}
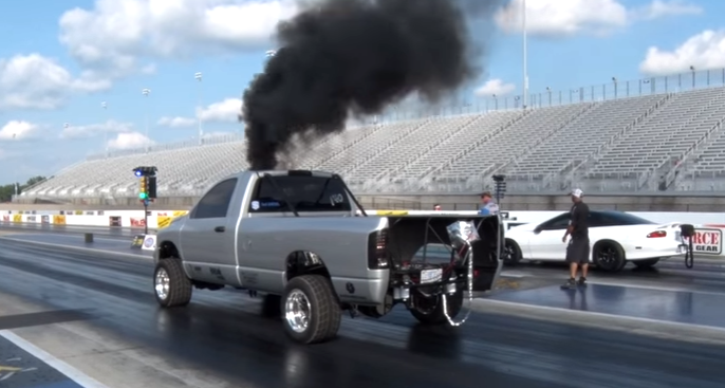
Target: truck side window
{"x":215,"y":203}
{"x":307,"y":193}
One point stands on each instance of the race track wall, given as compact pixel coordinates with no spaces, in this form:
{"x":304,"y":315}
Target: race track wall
{"x":664,"y":202}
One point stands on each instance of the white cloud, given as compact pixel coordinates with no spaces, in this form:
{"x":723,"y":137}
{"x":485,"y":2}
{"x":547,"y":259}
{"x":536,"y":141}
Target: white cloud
{"x":495,"y":86}
{"x":659,"y":9}
{"x":128,"y":140}
{"x":112,"y":37}
{"x":227,"y":110}
{"x":35,"y":82}
{"x":558,"y":18}
{"x":563,"y":17}
{"x":705,"y":50}
{"x":17,"y":130}
{"x":109,"y":127}
{"x":176,"y":122}
{"x":223,"y":111}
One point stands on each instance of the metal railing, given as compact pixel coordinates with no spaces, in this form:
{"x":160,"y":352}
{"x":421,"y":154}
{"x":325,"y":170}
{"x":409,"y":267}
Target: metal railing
{"x":614,"y":89}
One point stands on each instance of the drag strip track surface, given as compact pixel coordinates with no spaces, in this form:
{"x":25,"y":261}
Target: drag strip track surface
{"x":225,"y":333}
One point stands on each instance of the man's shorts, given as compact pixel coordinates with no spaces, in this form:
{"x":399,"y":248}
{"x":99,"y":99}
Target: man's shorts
{"x":578,"y":251}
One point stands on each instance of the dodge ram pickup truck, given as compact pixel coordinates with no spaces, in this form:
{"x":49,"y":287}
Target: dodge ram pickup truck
{"x":303,"y":238}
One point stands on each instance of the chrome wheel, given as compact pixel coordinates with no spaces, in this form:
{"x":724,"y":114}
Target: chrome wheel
{"x":162,"y":283}
{"x":297,"y":310}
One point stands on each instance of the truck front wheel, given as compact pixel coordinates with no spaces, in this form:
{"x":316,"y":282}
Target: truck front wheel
{"x":310,"y":309}
{"x":429,"y":309}
{"x":171,"y":286}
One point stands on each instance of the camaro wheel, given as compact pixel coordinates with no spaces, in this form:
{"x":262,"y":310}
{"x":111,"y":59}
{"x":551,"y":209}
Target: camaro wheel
{"x":310,"y":309}
{"x":429,"y":309}
{"x":609,"y":256}
{"x":171,"y":286}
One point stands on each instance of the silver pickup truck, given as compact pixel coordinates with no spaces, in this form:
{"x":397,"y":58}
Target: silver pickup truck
{"x":303,"y":238}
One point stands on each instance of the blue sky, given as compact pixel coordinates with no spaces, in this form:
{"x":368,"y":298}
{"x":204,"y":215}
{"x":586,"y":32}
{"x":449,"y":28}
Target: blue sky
{"x":61,"y":59}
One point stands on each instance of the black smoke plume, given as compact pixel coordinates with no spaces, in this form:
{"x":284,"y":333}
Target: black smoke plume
{"x":359,"y":56}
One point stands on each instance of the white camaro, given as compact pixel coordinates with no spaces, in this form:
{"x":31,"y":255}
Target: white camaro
{"x":615,"y":237}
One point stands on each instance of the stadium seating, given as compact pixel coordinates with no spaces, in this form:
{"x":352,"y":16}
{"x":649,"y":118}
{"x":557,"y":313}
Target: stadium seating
{"x":624,"y":144}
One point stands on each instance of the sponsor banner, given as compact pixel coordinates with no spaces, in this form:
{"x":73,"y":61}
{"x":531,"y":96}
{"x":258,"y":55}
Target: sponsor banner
{"x":45,"y":219}
{"x":149,"y":242}
{"x":17,"y":218}
{"x":393,"y":213}
{"x":138,"y":222}
{"x":30,"y":219}
{"x":114,"y":221}
{"x":707,"y":241}
{"x":179,"y":213}
{"x":6,"y":218}
{"x":163,"y":221}
{"x":59,"y":220}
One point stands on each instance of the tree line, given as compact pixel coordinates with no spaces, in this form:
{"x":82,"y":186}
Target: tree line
{"x":7,"y":191}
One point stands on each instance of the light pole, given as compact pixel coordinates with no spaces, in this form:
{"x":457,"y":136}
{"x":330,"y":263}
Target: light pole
{"x":614,"y":80}
{"x":17,"y":184}
{"x":104,"y":105}
{"x":146,"y":93}
{"x":526,"y":75}
{"x":201,"y":107}
{"x":692,"y":69}
{"x":548,"y":91}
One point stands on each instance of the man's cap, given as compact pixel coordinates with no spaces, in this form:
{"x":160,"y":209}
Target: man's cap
{"x":577,"y":193}
{"x":486,"y":194}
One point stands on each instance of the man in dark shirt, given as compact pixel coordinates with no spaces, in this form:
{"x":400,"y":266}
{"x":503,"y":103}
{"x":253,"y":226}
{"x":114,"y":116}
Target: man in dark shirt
{"x":577,"y":252}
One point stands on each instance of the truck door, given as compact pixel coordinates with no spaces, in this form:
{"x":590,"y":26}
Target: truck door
{"x":207,"y":238}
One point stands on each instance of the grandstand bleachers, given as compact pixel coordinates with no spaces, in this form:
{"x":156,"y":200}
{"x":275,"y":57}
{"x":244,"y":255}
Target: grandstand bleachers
{"x":615,"y":145}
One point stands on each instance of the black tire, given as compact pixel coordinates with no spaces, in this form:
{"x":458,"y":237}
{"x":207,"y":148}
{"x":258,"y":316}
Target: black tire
{"x":512,"y":254}
{"x":179,"y":288}
{"x":429,"y":310}
{"x":646,"y":263}
{"x":609,"y":256}
{"x":324,"y":315}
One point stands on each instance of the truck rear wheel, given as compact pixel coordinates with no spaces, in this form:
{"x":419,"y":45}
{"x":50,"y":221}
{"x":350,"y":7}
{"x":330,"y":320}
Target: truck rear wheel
{"x":429,"y":309}
{"x":171,"y":286}
{"x":310,"y":310}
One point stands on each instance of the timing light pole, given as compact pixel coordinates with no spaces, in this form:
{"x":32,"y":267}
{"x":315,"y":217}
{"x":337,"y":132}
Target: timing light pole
{"x":147,"y":190}
{"x":500,"y":187}
{"x":201,"y":106}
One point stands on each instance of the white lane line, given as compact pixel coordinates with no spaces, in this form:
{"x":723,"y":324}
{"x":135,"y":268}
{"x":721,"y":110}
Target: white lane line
{"x":72,"y":373}
{"x":655,"y":287}
{"x":504,"y":306}
{"x":82,"y":249}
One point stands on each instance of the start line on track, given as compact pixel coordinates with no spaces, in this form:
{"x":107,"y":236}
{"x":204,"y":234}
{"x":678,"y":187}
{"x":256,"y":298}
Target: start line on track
{"x":22,"y":365}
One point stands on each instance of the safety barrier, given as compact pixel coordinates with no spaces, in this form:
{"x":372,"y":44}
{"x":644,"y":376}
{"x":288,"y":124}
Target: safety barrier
{"x":159,"y":219}
{"x":707,"y":242}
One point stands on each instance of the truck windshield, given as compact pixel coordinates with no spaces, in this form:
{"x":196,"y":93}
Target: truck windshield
{"x":307,"y":193}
